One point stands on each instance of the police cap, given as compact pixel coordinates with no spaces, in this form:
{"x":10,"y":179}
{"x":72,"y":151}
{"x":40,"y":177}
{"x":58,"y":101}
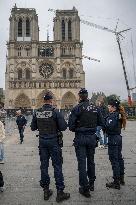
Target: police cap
{"x":83,"y":91}
{"x":114,"y":103}
{"x":48,"y":96}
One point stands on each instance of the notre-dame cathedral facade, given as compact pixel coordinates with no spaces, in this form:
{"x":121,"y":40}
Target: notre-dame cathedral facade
{"x":35,"y":67}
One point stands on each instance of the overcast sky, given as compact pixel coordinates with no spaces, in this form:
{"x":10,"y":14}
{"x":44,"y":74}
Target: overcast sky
{"x":106,"y":76}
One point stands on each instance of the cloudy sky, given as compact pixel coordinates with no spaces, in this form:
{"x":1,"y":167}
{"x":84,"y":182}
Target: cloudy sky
{"x":106,"y":76}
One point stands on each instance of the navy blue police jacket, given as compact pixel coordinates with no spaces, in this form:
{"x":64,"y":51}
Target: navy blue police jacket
{"x":112,"y":123}
{"x":21,"y":121}
{"x":76,"y":112}
{"x":57,"y":116}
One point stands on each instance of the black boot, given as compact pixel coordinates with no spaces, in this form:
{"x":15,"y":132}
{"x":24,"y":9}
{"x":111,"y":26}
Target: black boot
{"x":114,"y":185}
{"x":122,"y":181}
{"x":21,"y":141}
{"x":61,"y":196}
{"x":91,"y":186}
{"x":47,"y":193}
{"x":85,"y":192}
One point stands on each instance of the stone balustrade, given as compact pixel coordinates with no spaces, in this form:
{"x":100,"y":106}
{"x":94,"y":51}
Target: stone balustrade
{"x":44,"y":84}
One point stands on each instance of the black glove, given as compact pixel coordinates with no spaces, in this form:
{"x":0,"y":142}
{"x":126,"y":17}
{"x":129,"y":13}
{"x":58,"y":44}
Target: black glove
{"x":97,"y":140}
{"x":104,"y":130}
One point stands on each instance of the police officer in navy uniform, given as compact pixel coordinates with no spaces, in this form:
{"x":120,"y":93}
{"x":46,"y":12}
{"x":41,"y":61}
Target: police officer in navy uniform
{"x":83,"y":120}
{"x":113,"y":130}
{"x":48,"y":121}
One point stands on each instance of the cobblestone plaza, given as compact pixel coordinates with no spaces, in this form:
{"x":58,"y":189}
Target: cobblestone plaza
{"x":22,"y":171}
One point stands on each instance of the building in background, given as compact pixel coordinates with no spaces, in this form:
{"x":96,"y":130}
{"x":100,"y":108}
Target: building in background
{"x":2,"y":97}
{"x":35,"y":67}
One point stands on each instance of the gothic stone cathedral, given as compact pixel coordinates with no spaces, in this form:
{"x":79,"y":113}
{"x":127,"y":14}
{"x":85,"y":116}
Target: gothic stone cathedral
{"x":35,"y":67}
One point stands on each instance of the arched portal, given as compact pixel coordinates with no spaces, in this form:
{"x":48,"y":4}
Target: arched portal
{"x":68,"y":101}
{"x":22,"y":101}
{"x":40,"y":100}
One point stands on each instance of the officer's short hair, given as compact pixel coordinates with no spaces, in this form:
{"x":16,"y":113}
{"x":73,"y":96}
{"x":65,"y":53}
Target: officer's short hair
{"x":48,"y":96}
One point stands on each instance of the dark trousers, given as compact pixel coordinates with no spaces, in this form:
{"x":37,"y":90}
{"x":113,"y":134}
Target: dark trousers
{"x":115,"y":155}
{"x":21,"y":132}
{"x":85,"y":150}
{"x":50,"y":148}
{"x":1,"y":180}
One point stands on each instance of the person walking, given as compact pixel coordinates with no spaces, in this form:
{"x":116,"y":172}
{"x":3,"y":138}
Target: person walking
{"x":113,"y":125}
{"x":1,"y":182}
{"x":49,"y":122}
{"x":2,"y":136}
{"x":21,"y":123}
{"x":83,"y":120}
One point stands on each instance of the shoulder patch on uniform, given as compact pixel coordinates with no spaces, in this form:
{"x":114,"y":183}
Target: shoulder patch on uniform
{"x":110,"y":121}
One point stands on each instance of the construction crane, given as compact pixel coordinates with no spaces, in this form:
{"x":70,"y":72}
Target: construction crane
{"x":118,"y":35}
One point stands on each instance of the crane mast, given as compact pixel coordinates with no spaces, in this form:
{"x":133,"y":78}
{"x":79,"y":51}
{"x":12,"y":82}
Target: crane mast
{"x":117,"y":34}
{"x":124,"y":70}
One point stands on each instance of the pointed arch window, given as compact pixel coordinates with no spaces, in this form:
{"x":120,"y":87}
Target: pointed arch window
{"x":63,"y":50}
{"x":19,"y":51}
{"x":64,"y":73}
{"x":20,"y":28}
{"x":27,"y":27}
{"x":27,"y":74}
{"x":69,"y":31}
{"x":71,"y":73}
{"x":63,"y":30}
{"x":20,"y":74}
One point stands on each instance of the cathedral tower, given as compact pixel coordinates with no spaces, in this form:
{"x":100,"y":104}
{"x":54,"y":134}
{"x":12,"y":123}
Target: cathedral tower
{"x":35,"y":67}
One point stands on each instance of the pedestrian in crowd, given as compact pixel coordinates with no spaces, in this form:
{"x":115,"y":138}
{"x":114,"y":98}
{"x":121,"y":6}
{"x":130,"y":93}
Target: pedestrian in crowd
{"x":21,"y":123}
{"x":2,"y":136}
{"x":103,"y":140}
{"x":49,"y":121}
{"x":113,"y":124}
{"x":1,"y":182}
{"x":83,"y":120}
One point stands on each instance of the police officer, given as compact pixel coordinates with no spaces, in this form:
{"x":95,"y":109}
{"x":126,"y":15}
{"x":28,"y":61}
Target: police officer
{"x":113,"y":130}
{"x":83,"y":120}
{"x":48,"y":121}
